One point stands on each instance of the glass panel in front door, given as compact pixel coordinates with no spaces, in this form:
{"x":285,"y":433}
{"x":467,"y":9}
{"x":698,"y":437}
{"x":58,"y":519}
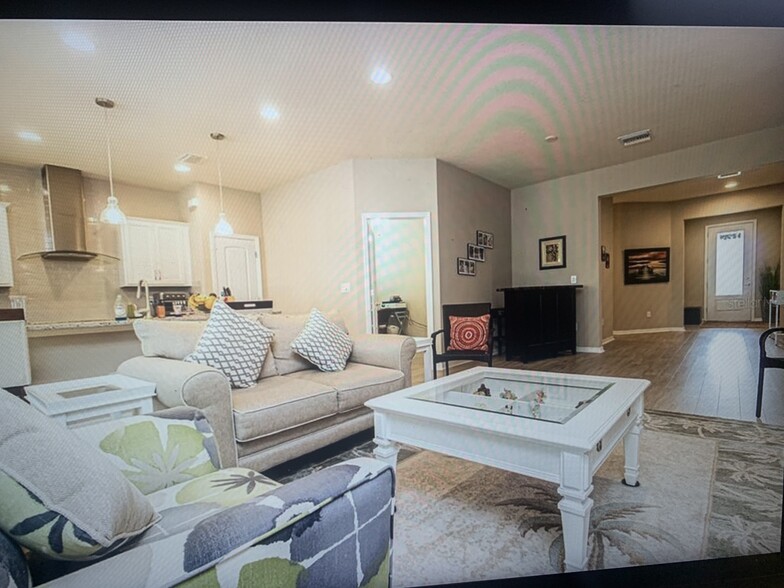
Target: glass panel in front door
{"x":729,"y":263}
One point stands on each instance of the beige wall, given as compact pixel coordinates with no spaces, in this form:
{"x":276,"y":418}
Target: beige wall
{"x":569,"y":206}
{"x":467,"y":203}
{"x":636,"y":226}
{"x":310,"y":245}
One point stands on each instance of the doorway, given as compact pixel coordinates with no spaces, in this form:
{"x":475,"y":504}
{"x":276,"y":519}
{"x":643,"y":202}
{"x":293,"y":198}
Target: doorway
{"x":398,"y":265}
{"x":730,"y":251}
{"x":236,"y":264}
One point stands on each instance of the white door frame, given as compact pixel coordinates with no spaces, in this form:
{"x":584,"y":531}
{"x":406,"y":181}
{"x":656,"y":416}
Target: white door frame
{"x":214,"y":267}
{"x":753,"y":294}
{"x":425,"y":216}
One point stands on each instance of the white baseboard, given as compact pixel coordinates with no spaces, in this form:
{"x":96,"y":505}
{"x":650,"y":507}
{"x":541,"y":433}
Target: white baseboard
{"x":590,"y":349}
{"x":643,"y":331}
{"x":608,"y":340}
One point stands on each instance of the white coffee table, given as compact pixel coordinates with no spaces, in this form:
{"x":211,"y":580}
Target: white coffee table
{"x":549,"y":437}
{"x":80,"y":402}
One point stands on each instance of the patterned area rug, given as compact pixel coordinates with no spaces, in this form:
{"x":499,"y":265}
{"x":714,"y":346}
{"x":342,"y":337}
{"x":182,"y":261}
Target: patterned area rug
{"x":709,"y":488}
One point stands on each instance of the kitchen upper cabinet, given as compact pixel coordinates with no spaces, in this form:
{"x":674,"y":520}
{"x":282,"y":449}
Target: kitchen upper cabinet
{"x":156,"y":251}
{"x":6,"y":270}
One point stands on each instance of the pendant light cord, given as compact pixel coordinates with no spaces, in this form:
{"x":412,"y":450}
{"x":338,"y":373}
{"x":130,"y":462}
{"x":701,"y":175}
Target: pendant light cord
{"x":220,"y":177}
{"x":109,"y":151}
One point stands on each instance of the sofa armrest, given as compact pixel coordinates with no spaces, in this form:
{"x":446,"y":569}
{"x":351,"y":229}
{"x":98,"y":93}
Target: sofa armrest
{"x":308,"y":532}
{"x":389,"y":351}
{"x":180,"y":383}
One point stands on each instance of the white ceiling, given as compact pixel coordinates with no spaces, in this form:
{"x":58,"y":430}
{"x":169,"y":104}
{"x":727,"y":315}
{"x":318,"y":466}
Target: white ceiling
{"x":480,"y":97}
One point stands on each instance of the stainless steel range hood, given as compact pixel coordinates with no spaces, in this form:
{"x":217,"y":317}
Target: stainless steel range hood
{"x":64,"y":227}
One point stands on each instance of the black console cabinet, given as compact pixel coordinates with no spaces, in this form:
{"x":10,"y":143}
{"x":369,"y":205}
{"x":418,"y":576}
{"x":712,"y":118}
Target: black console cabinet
{"x":540,"y":321}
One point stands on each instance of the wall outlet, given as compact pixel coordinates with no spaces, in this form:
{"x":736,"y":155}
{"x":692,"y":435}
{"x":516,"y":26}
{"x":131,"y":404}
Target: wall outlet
{"x":345,"y":287}
{"x":573,"y":279}
{"x":648,"y":314}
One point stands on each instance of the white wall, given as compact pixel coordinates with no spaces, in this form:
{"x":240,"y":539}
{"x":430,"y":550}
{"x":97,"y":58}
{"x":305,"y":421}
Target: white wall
{"x":570,"y":206}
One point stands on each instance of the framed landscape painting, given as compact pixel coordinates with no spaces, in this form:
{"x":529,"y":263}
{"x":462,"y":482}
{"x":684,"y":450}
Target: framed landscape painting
{"x":646,"y":266}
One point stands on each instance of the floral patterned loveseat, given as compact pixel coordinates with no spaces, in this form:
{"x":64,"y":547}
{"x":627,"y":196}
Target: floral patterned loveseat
{"x":217,"y":527}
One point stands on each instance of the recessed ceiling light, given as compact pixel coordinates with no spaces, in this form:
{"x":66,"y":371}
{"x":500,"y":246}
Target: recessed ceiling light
{"x":182,"y":168}
{"x":380,"y":76}
{"x":78,"y":41}
{"x":734,"y":174}
{"x":5,"y":188}
{"x":732,"y":184}
{"x":551,"y":138}
{"x":28,"y":136}
{"x":270,"y":113}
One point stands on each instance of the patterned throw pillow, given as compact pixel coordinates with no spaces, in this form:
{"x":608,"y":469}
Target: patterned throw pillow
{"x":233,"y":344}
{"x":323,"y":343}
{"x":468,"y":333}
{"x":59,"y":496}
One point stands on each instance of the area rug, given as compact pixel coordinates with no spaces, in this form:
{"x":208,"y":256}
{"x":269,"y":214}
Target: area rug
{"x":709,"y":488}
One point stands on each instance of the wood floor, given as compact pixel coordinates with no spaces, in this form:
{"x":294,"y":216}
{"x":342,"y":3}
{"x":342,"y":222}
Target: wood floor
{"x":710,"y":371}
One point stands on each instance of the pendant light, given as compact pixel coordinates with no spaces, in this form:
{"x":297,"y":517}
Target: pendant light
{"x":222,"y":228}
{"x":111,"y":214}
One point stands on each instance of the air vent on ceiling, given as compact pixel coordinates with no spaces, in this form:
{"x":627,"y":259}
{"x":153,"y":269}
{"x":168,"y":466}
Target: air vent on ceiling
{"x":635,"y":138}
{"x":191,"y":159}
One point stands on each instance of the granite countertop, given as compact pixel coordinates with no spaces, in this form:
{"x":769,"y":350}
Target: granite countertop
{"x":96,"y":326}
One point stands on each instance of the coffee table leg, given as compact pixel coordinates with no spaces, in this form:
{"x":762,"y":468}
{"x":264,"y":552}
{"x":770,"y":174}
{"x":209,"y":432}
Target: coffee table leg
{"x":631,"y":449}
{"x":386,"y":451}
{"x":575,"y":507}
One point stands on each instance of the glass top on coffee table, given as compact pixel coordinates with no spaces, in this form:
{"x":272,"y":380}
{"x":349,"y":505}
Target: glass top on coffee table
{"x":550,"y":399}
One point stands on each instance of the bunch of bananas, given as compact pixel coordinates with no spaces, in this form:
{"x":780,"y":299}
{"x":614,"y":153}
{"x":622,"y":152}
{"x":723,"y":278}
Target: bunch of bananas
{"x":201,"y":302}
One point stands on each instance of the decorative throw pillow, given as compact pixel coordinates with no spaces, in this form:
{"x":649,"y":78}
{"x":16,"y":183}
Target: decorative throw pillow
{"x":155,"y":451}
{"x":323,"y":343}
{"x":233,"y":344}
{"x":468,"y":333}
{"x":61,"y":497}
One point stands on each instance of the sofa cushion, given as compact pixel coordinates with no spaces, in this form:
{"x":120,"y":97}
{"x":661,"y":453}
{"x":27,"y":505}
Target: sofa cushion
{"x":286,"y":328}
{"x":356,"y":384}
{"x":234,"y":344}
{"x":60,"y":496}
{"x":173,"y":339}
{"x":323,"y":343}
{"x":279,"y":403}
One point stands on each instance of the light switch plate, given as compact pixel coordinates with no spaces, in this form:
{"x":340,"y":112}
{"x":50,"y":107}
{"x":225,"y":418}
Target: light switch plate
{"x":573,"y":279}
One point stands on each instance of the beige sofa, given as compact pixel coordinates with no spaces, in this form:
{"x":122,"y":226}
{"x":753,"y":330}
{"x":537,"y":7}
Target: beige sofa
{"x":293,"y":409}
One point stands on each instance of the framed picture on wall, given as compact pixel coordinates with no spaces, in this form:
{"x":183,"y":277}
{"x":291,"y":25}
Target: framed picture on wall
{"x":485,"y":239}
{"x":646,"y":266}
{"x":466,"y":267}
{"x":475,"y":252}
{"x":552,"y":252}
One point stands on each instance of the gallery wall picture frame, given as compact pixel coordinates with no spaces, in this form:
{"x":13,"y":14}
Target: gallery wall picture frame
{"x":552,"y":252}
{"x":475,"y":252}
{"x":650,"y":265}
{"x":466,"y":267}
{"x":485,"y":239}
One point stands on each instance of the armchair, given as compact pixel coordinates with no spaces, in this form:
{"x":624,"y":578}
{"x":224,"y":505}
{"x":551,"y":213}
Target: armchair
{"x":464,"y":340}
{"x":223,"y":527}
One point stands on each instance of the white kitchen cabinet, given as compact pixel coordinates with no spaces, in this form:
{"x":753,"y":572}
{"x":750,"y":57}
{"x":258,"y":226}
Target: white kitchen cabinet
{"x":156,"y":251}
{"x":6,"y":269}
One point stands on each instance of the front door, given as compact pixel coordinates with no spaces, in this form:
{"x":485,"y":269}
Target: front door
{"x":729,"y":271}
